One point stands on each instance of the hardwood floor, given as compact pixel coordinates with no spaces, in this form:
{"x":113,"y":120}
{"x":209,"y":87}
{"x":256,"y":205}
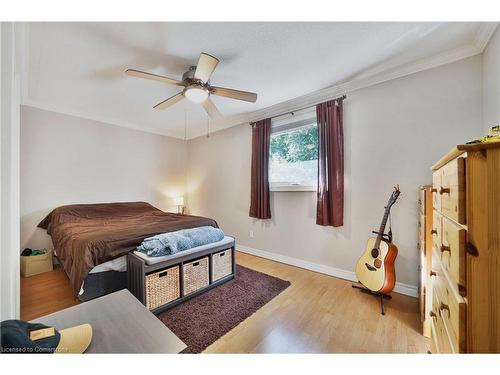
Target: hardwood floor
{"x":45,"y":293}
{"x":316,"y":314}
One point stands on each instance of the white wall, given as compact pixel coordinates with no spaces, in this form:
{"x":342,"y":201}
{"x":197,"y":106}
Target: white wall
{"x":9,"y":172}
{"x":491,"y":82}
{"x":66,"y":159}
{"x":394,"y":132}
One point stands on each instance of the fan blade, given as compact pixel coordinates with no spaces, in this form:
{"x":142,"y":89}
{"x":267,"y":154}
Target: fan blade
{"x":206,"y":66}
{"x":154,"y":77}
{"x":235,"y":94}
{"x":211,"y":109}
{"x":170,"y":101}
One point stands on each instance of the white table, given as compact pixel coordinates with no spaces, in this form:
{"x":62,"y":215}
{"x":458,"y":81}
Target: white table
{"x":120,"y":324}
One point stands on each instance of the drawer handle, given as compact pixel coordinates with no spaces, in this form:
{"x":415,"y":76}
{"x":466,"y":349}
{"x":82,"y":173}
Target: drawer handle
{"x":443,"y":190}
{"x":444,"y":248}
{"x":432,"y":273}
{"x":434,"y":190}
{"x":434,"y":231}
{"x":472,"y":250}
{"x":162,"y":274}
{"x":432,"y":314}
{"x":222,"y":254}
{"x":196,"y":264}
{"x":461,"y":290}
{"x":444,"y":306}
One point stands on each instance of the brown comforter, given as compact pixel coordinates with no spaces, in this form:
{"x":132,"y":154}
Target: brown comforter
{"x":86,"y":235}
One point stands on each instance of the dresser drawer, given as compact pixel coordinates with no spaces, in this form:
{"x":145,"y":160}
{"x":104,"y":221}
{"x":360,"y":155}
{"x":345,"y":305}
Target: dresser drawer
{"x":439,"y":336}
{"x":434,"y":344}
{"x":452,"y":190}
{"x":436,"y":184}
{"x":435,"y":349}
{"x":451,"y":310}
{"x":452,"y":253}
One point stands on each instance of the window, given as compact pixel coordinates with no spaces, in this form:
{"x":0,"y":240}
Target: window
{"x":293,"y":154}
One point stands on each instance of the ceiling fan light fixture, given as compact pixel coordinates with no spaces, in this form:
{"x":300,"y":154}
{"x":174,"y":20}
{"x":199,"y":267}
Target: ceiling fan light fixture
{"x":196,"y":94}
{"x":197,"y":87}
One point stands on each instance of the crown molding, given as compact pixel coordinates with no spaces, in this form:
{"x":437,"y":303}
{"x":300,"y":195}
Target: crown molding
{"x":480,"y":42}
{"x":481,"y":39}
{"x":347,"y":87}
{"x":98,"y":118}
{"x":22,"y":31}
{"x":484,"y":35}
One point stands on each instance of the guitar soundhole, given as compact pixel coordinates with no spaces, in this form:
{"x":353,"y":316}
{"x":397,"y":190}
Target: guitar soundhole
{"x":375,"y":253}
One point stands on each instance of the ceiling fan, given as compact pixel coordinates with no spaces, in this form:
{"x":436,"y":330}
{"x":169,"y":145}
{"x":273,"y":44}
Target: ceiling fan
{"x":197,"y":87}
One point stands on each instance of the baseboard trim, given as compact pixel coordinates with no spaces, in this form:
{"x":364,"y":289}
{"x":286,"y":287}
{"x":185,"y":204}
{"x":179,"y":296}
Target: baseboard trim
{"x":406,"y":289}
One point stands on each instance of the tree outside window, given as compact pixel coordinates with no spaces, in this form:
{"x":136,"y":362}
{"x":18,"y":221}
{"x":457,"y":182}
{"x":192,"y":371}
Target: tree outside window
{"x":294,"y":156}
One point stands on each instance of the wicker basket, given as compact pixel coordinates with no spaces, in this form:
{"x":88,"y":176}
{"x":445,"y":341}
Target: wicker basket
{"x":195,"y":275}
{"x":222,"y":264}
{"x":162,"y":287}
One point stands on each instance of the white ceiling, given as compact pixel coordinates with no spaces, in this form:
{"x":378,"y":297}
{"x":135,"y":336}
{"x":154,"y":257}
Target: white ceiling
{"x":78,"y":68}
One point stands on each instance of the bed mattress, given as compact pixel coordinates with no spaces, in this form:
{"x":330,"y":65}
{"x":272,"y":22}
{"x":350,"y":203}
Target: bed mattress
{"x":117,"y":264}
{"x":97,"y":283}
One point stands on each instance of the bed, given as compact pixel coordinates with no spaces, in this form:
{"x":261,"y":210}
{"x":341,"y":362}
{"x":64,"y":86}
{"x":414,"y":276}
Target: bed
{"x":91,"y":241}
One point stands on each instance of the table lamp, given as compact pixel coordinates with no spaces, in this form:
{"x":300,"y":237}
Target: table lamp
{"x":179,"y":202}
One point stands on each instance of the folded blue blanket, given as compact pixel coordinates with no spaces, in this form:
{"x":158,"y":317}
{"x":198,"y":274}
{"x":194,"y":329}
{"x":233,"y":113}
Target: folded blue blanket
{"x":174,"y":242}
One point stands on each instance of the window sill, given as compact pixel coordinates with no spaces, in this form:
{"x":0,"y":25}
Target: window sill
{"x":292,"y":188}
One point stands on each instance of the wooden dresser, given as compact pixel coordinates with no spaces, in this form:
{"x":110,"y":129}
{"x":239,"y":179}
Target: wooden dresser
{"x":465,"y":270}
{"x":424,"y":245}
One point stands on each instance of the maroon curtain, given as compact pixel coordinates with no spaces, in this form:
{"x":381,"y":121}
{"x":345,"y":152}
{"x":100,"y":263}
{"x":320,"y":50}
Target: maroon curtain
{"x":330,"y":205}
{"x":259,"y":196}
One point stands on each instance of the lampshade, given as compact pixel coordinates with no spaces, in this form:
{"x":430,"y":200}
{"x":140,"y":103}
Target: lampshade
{"x":178,"y":201}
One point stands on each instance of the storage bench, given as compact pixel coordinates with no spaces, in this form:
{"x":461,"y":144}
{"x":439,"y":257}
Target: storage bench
{"x":163,"y":282}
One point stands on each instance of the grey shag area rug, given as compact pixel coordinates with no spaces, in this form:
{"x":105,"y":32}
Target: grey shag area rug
{"x":200,"y":321}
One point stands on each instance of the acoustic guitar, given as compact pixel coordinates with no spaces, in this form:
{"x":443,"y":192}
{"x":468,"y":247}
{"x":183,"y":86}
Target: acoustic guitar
{"x":375,"y":269}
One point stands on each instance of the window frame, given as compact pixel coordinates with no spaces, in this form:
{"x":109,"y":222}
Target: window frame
{"x":289,"y":122}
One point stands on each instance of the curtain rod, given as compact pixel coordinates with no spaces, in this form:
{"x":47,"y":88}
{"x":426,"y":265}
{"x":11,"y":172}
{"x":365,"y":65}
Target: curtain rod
{"x":296,"y":110}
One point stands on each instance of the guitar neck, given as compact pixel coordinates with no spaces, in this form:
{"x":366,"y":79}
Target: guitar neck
{"x":382,"y":226}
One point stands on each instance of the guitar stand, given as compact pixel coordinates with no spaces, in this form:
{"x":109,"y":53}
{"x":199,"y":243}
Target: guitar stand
{"x":381,"y":296}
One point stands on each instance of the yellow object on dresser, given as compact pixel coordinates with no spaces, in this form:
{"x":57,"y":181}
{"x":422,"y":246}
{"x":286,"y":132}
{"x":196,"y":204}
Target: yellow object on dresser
{"x":465,"y":272}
